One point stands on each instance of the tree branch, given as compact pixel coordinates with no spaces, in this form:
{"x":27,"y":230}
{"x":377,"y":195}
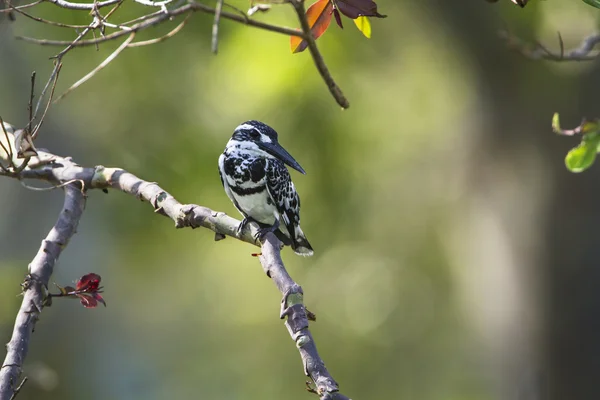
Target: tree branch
{"x":156,"y":18}
{"x":83,"y":6}
{"x":316,"y":55}
{"x":35,"y":286}
{"x":292,"y":307}
{"x":164,"y":16}
{"x":58,"y":170}
{"x":537,"y":51}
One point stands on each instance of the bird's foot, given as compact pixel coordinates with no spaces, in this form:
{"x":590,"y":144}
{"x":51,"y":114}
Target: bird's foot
{"x":242,"y":225}
{"x":262,"y":232}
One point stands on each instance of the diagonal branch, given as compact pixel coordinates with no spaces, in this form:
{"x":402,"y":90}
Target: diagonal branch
{"x":34,"y":288}
{"x":316,"y":55}
{"x":292,"y":307}
{"x":168,"y":35}
{"x":101,"y":66}
{"x":58,"y":170}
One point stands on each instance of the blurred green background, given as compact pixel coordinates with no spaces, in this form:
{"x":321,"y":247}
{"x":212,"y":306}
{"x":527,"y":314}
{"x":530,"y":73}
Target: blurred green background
{"x":455,"y":257}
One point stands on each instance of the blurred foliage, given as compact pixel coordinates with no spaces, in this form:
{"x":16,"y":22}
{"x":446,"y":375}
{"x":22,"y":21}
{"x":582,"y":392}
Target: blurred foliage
{"x":593,"y":3}
{"x":581,"y":157}
{"x":425,"y":202}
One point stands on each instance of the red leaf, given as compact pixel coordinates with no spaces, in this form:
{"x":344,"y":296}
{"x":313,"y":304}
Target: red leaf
{"x":99,"y":298}
{"x":338,"y":17}
{"x":87,"y":301}
{"x":356,"y":8}
{"x":88,"y":283}
{"x":319,"y":17}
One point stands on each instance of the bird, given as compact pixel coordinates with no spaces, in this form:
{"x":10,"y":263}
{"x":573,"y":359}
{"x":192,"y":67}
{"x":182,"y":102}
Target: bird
{"x":255,"y":178}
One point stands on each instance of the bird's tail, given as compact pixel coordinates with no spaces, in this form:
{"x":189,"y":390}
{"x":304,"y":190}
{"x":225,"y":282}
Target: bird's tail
{"x":300,"y":244}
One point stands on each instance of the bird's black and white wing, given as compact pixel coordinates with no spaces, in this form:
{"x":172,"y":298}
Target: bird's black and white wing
{"x":226,"y":185}
{"x":285,"y":198}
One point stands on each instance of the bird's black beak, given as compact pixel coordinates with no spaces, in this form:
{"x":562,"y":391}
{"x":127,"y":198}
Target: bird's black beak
{"x":276,"y":150}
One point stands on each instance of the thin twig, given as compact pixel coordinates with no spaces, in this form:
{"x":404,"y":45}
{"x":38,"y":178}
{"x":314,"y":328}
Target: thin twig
{"x":101,"y":66}
{"x":115,"y":26}
{"x":83,"y":6}
{"x":161,"y":16}
{"x":72,"y":44}
{"x":160,"y":4}
{"x":215,"y":27}
{"x":562,"y":45}
{"x":537,"y":51}
{"x":142,"y":18}
{"x":8,"y":151}
{"x":53,"y":187}
{"x":164,"y":37}
{"x":53,"y":79}
{"x":316,"y":55}
{"x":30,"y":103}
{"x":7,"y":10}
{"x":46,"y":21}
{"x":18,"y":389}
{"x":115,"y":8}
{"x":237,"y":10}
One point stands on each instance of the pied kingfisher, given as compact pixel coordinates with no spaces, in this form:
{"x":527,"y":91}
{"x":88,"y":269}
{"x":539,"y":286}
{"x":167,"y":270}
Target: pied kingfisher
{"x":255,"y":178}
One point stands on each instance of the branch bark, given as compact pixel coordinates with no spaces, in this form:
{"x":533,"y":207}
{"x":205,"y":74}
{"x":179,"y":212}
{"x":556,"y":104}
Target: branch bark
{"x":537,"y":51}
{"x":58,"y":170}
{"x":334,"y":89}
{"x":35,"y":285}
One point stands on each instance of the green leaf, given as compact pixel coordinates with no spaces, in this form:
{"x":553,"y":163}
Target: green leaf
{"x":556,"y":123}
{"x":593,"y":3}
{"x":590,"y":126}
{"x":582,"y":157}
{"x":363,"y":25}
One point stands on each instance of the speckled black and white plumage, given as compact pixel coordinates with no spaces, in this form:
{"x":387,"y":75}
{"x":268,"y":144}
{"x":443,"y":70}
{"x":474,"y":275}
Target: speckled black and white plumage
{"x":255,"y":178}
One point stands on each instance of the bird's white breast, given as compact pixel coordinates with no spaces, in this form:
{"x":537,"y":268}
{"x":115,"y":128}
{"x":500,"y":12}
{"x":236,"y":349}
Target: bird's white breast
{"x":257,"y":206}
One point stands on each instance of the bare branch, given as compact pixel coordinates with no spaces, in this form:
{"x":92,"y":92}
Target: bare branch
{"x":8,"y":147}
{"x":18,"y":389}
{"x":537,"y":51}
{"x":53,"y":79}
{"x":49,"y":188}
{"x":215,"y":27}
{"x":83,"y":6}
{"x":521,"y":3}
{"x":292,"y":307}
{"x":30,"y":104}
{"x":155,"y":18}
{"x":58,"y":170}
{"x":316,"y":55}
{"x":73,"y":43}
{"x":103,"y":64}
{"x":162,"y":16}
{"x":142,"y":18}
{"x":35,"y":285}
{"x":45,"y":21}
{"x":11,"y":8}
{"x":162,"y":38}
{"x":165,"y":14}
{"x":160,"y":4}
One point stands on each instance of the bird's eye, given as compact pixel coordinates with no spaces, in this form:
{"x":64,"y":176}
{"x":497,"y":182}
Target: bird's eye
{"x":255,"y":134}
